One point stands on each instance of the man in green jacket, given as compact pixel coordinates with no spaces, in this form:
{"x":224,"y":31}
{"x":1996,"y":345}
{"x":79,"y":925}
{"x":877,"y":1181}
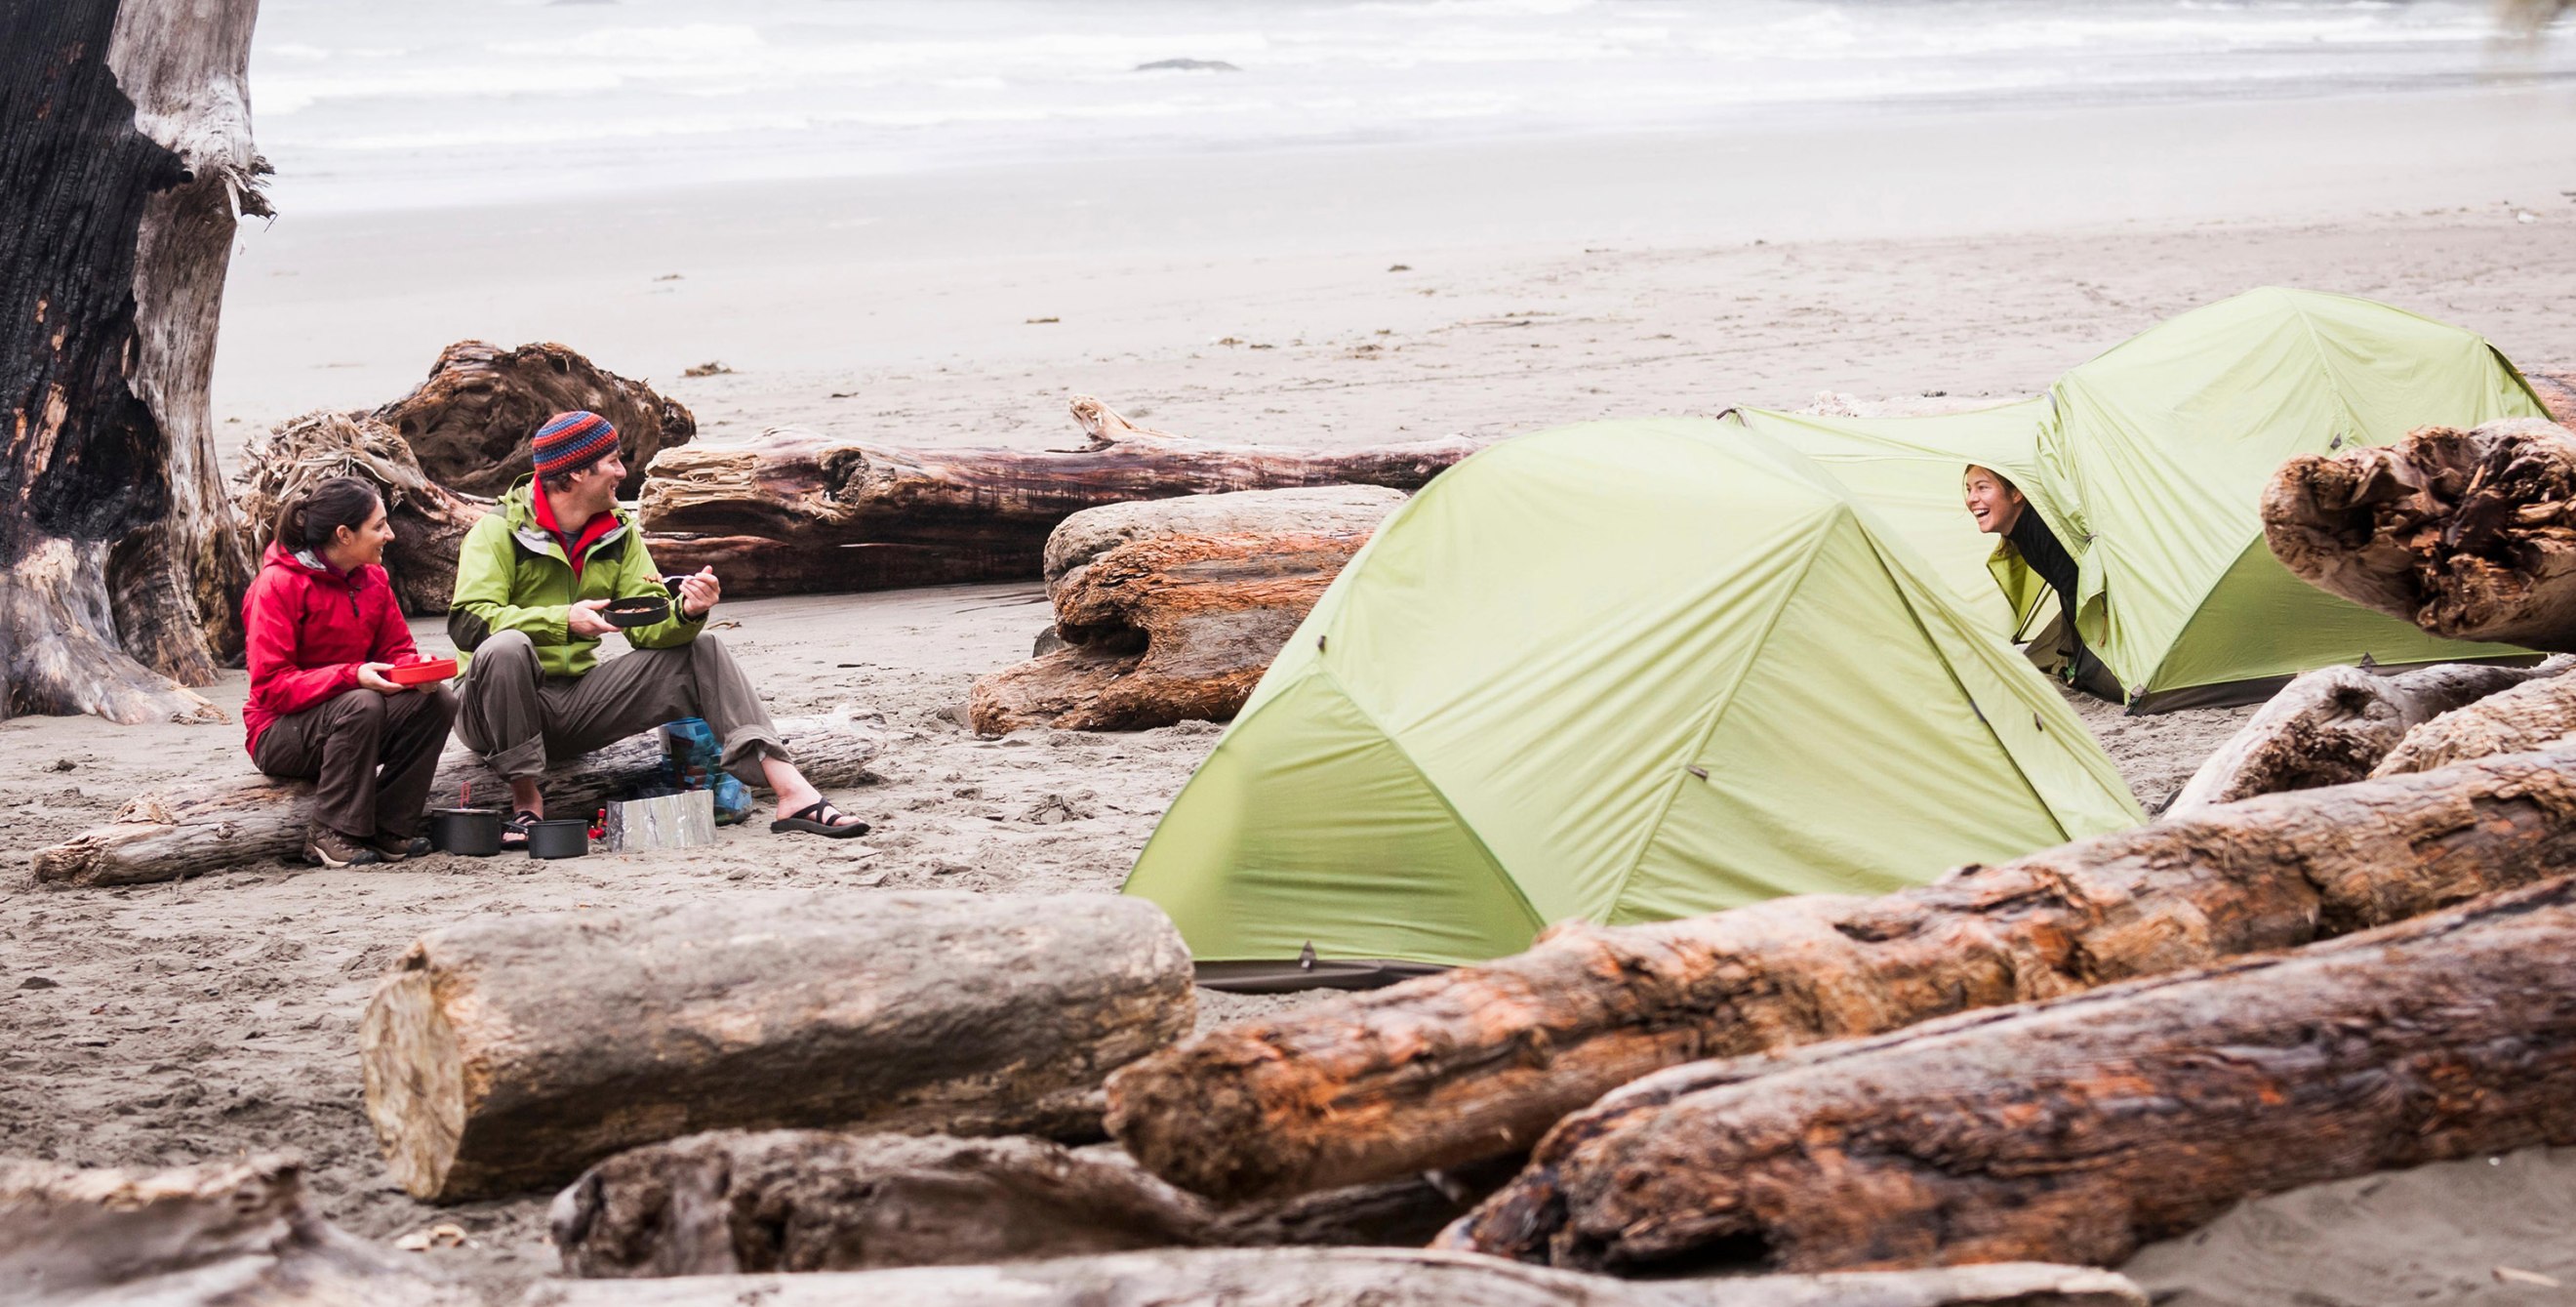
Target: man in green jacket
{"x":531,"y":580}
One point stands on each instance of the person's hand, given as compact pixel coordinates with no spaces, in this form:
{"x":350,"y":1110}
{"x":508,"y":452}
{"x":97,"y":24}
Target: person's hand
{"x":699,"y":592}
{"x":371,"y":676}
{"x":583,"y":618}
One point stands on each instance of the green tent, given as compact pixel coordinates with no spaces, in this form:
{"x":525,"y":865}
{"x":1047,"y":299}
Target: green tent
{"x":1621,"y":671}
{"x":2149,"y":463}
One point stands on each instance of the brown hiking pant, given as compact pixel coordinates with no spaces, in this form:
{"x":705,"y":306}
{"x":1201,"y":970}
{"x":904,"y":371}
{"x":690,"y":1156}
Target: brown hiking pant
{"x":371,"y":757}
{"x":522,"y":720}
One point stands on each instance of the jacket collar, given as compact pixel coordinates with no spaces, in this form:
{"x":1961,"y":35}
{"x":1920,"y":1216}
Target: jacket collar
{"x":519,"y":512}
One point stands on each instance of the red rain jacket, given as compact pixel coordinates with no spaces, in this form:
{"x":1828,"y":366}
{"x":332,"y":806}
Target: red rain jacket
{"x":309,"y":627}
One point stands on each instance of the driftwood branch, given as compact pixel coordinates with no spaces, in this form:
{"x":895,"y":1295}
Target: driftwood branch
{"x":1171,"y":609}
{"x":173,"y":834}
{"x":2078,"y":1129}
{"x":508,"y":1053}
{"x":2336,"y":724}
{"x":804,"y":512}
{"x":1374,"y":1277}
{"x":1480,"y":1061}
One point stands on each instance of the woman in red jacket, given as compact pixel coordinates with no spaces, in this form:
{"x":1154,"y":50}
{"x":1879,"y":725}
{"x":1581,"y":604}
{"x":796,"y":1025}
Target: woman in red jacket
{"x":323,"y":629}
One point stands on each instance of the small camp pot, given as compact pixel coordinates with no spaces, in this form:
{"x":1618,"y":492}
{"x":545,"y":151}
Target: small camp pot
{"x":558,"y":839}
{"x":636,"y":610}
{"x":474,"y":832}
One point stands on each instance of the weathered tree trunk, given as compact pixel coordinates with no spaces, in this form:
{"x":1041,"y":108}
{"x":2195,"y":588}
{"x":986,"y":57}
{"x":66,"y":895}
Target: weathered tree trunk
{"x":2522,"y":719}
{"x":429,"y":520}
{"x":982,"y":514}
{"x":2467,"y":534}
{"x":2076,"y":1130}
{"x":125,"y":154}
{"x":509,"y":1053}
{"x":173,"y":834}
{"x":469,"y":424}
{"x":2334,"y":725}
{"x":1482,"y":1060}
{"x":1350,"y":1277}
{"x":730,"y":1202}
{"x":225,"y":1234}
{"x":1171,"y":609}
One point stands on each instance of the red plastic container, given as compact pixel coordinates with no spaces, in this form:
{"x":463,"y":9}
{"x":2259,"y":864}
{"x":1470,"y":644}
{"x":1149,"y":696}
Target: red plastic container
{"x":422,"y":672}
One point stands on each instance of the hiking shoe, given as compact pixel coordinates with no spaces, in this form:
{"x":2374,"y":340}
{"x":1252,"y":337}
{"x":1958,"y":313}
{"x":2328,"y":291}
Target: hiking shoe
{"x":395,"y":848}
{"x":330,"y":848}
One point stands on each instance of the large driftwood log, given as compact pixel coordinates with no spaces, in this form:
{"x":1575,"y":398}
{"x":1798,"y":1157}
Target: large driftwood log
{"x":2334,"y":725}
{"x":225,"y":1234}
{"x":1170,"y":610}
{"x":125,"y":156}
{"x":2468,"y":534}
{"x":429,"y":520}
{"x":2522,"y":719}
{"x":2079,"y":1129}
{"x":731,"y":1202}
{"x":505,"y":1054}
{"x":470,"y":422}
{"x":803,"y":512}
{"x":1480,"y":1061}
{"x":1353,"y":1277}
{"x":172,"y":834}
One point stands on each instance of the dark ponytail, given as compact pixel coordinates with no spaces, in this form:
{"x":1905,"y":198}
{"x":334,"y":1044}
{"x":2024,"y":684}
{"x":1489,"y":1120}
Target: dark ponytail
{"x":311,"y":519}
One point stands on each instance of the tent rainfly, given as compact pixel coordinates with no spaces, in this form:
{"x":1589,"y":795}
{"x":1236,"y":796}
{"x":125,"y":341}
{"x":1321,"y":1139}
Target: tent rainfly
{"x":2149,"y":463}
{"x":1621,"y":671}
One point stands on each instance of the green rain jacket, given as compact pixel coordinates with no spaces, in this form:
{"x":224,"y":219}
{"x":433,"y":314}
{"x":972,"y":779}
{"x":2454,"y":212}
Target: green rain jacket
{"x":511,"y":575}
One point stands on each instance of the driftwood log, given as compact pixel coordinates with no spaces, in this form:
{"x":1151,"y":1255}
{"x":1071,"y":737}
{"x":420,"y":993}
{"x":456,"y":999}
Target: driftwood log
{"x":429,"y":520}
{"x":1171,"y":609}
{"x":1480,"y":1061}
{"x":225,"y":1234}
{"x":731,"y":1202}
{"x":470,"y":422}
{"x":125,"y":157}
{"x":2521,"y":719}
{"x":2075,"y":1130}
{"x":194,"y":829}
{"x":2336,"y":724}
{"x":2468,"y":534}
{"x":1345,"y":1277}
{"x":803,"y":512}
{"x":506,"y":1054}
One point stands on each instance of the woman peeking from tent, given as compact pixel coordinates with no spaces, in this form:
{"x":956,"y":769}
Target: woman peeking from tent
{"x":2000,"y":509}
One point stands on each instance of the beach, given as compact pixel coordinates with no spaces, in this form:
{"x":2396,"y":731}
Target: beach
{"x":1309,"y":295}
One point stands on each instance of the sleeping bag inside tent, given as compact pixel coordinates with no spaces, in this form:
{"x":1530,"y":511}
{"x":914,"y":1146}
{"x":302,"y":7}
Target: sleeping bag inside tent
{"x":1621,"y":671}
{"x":2148,"y":464}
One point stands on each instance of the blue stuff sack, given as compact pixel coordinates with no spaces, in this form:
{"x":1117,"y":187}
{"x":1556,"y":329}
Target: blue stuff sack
{"x":693,"y":759}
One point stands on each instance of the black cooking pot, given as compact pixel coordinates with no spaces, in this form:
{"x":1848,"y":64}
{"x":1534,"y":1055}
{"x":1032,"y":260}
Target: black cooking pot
{"x":636,"y":610}
{"x":474,"y":832}
{"x":558,"y":839}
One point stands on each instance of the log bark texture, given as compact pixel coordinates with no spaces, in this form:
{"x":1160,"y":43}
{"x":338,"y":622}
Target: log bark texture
{"x":2523,"y":719}
{"x":2336,"y":724}
{"x":1172,"y":609}
{"x":731,"y":1202}
{"x":2467,"y":534}
{"x":173,"y":834}
{"x":840,"y":514}
{"x":1481,"y":1060}
{"x":224,"y":1234}
{"x":1372,"y":1277}
{"x":2079,"y":1129}
{"x":507,"y":1054}
{"x":429,"y":520}
{"x":470,"y":422}
{"x":125,"y":156}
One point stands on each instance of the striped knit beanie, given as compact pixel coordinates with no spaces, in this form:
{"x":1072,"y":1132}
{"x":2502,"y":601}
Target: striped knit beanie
{"x":569,"y":442}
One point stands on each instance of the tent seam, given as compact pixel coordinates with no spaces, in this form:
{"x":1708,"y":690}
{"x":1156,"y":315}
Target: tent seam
{"x":1673,"y":794}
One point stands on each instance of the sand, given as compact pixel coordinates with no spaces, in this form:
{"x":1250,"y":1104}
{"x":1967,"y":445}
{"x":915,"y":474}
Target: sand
{"x":1250,"y":299}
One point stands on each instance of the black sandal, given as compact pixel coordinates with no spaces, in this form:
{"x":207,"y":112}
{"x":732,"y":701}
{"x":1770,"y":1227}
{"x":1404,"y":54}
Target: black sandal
{"x":816,"y":818}
{"x":514,"y":831}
